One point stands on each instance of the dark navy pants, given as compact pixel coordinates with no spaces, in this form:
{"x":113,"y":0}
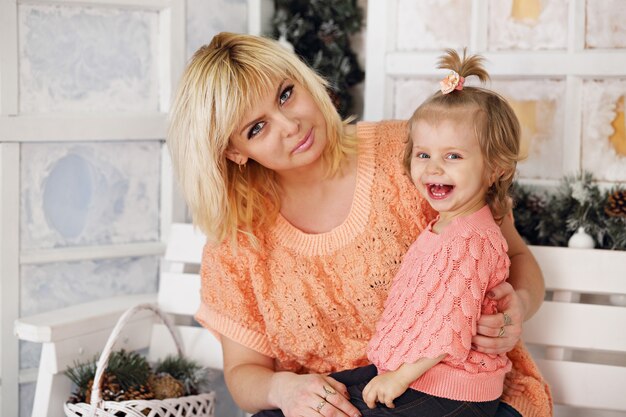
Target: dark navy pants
{"x":410,"y":404}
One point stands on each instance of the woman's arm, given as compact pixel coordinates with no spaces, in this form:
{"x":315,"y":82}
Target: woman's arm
{"x":255,"y":385}
{"x":524,"y":275}
{"x":520,"y":297}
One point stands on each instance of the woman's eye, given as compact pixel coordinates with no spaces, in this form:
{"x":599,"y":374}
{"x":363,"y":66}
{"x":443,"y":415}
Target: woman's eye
{"x":284,"y":96}
{"x":254,"y":130}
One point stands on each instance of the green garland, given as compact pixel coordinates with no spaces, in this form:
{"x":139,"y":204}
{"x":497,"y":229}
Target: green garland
{"x":549,"y":216}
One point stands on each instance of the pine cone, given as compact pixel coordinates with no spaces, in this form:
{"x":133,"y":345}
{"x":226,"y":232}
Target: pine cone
{"x":616,"y":204}
{"x":109,"y":388}
{"x":141,"y":392}
{"x":166,"y":386}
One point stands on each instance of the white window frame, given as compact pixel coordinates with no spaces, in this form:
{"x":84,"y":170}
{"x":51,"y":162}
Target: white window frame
{"x":16,"y":128}
{"x":384,"y":63}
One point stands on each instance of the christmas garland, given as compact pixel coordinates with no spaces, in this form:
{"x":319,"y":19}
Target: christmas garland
{"x":549,"y":216}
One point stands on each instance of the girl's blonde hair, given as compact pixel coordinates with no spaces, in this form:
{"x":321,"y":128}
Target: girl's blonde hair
{"x":220,"y":84}
{"x":495,"y":125}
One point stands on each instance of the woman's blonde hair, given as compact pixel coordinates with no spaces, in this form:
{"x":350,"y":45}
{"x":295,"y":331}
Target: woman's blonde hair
{"x":495,"y":125}
{"x":220,"y":84}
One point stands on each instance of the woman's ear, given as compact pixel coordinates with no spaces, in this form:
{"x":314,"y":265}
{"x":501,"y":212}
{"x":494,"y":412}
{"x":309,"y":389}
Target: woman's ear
{"x":234,"y":155}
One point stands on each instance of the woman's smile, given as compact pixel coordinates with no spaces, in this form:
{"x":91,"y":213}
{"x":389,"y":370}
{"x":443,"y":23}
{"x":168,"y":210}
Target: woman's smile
{"x":305,"y":143}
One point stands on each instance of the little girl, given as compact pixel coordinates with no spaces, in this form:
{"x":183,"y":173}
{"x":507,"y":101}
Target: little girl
{"x":461,"y":154}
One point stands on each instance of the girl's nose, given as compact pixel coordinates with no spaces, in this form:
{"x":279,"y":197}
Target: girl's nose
{"x":433,"y":166}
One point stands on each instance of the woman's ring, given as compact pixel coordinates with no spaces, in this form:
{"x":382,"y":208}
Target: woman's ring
{"x":501,"y":333}
{"x":328,"y":391}
{"x":320,"y":406}
{"x":507,"y":319}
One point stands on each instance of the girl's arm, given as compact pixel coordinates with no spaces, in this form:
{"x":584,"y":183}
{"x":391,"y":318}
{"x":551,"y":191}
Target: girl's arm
{"x":386,"y":387}
{"x":255,"y":385}
{"x":520,"y":297}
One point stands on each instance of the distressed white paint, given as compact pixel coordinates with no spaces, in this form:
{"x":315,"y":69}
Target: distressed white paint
{"x":550,"y":31}
{"x":606,"y":24}
{"x":410,"y":93}
{"x":433,"y":24}
{"x":203,"y":22}
{"x":544,"y":154}
{"x":87,"y":59}
{"x":89,"y":193}
{"x":599,"y":111}
{"x":51,"y":286}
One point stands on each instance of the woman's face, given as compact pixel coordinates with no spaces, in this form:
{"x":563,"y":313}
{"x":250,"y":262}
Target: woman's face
{"x":285,"y":131}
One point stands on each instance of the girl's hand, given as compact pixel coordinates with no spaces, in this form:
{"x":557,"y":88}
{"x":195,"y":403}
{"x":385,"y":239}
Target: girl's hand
{"x":312,"y":395}
{"x":500,"y":332}
{"x":384,"y":388}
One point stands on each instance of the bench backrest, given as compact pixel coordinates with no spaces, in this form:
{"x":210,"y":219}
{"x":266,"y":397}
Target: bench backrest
{"x":578,"y":336}
{"x":179,"y":294}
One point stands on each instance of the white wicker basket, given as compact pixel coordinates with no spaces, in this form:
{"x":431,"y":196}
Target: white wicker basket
{"x":201,"y":405}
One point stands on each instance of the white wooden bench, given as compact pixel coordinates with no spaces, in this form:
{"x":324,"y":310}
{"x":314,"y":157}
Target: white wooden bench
{"x":580,"y":347}
{"x":578,"y":337}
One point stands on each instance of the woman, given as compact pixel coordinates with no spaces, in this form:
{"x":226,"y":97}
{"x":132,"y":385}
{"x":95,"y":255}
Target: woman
{"x":306,"y":230}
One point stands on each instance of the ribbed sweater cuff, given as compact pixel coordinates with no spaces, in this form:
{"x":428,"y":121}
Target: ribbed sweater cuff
{"x":219,"y":325}
{"x":447,"y":382}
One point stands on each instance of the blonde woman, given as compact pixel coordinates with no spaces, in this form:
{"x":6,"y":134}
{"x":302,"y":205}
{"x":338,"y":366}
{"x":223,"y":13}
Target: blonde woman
{"x":308,"y":218}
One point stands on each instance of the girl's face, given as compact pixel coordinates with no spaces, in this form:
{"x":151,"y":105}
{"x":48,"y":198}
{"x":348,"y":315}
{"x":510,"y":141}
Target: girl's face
{"x":448,"y":168}
{"x":284,"y":131}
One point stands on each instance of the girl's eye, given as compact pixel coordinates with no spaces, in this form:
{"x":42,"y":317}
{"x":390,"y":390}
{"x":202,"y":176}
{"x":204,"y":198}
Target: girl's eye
{"x":284,"y":96}
{"x":453,"y":156}
{"x":254,"y":130}
{"x":422,"y":155}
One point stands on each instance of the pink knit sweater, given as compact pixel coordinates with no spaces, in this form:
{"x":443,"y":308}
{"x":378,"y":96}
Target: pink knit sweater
{"x":433,"y":306}
{"x":311,"y":301}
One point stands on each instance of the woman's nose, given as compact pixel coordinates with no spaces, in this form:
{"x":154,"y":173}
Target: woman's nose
{"x":290,"y":125}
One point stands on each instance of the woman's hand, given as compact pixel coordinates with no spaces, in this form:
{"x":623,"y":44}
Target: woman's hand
{"x":311,"y":395}
{"x":498,"y":333}
{"x":255,"y":385}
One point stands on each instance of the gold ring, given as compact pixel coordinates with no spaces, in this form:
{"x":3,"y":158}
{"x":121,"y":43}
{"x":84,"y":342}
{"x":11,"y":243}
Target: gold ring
{"x":507,"y":319}
{"x":328,"y":390}
{"x":321,"y":405}
{"x":501,"y":333}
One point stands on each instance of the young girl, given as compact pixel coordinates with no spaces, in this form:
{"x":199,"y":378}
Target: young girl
{"x":461,"y":155}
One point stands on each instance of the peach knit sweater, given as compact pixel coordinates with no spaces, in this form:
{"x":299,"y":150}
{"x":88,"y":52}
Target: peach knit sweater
{"x":312,"y":301}
{"x":433,"y":306}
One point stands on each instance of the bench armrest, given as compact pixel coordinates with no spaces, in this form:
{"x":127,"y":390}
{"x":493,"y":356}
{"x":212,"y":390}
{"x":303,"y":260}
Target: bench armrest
{"x":77,"y":320}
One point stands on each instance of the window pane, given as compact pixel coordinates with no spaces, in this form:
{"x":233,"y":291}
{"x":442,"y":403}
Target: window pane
{"x":86,"y":59}
{"x":604,"y":132}
{"x":46,"y":287}
{"x":427,"y":24}
{"x":89,"y":193}
{"x":528,"y":24}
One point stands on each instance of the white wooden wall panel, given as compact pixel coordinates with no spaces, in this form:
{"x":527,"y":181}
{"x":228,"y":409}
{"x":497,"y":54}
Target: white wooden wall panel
{"x":16,"y":128}
{"x":9,"y":272}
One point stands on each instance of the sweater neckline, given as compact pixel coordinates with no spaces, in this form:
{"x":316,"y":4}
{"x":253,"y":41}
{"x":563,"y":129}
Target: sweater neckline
{"x":459,"y":226}
{"x":322,"y":243}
